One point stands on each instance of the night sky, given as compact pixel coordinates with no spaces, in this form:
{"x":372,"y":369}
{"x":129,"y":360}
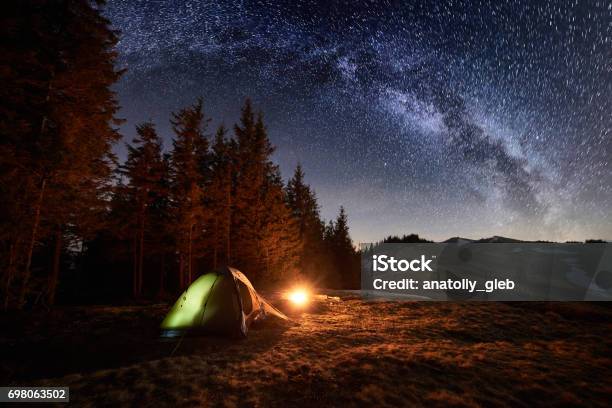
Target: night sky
{"x":444,"y":119}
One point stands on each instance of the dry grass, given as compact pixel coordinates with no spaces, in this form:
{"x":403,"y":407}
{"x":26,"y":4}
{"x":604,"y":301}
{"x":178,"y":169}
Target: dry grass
{"x":349,"y":352}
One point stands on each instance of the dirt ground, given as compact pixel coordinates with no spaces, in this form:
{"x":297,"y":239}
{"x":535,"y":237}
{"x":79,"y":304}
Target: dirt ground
{"x":339,"y":352}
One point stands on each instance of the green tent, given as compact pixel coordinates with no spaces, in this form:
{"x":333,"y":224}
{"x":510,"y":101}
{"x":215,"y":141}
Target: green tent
{"x":223,"y":301}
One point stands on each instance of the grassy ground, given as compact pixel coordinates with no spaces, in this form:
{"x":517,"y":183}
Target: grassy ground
{"x":340,"y":352}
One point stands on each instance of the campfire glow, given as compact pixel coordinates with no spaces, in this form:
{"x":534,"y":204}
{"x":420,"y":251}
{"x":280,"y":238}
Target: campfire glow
{"x":298,"y":296}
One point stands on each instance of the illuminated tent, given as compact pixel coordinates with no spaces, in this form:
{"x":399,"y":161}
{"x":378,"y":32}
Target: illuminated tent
{"x":219,"y":302}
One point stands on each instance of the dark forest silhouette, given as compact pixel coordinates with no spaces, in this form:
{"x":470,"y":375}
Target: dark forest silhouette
{"x":75,"y":222}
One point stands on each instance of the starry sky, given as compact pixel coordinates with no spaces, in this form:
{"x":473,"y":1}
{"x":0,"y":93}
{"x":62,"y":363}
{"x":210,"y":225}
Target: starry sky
{"x":457,"y":118}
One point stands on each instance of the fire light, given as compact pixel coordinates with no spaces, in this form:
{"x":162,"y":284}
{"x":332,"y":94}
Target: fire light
{"x":298,"y":297}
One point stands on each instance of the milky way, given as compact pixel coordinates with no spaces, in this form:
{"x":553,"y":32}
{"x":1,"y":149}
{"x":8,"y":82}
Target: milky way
{"x":444,"y":119}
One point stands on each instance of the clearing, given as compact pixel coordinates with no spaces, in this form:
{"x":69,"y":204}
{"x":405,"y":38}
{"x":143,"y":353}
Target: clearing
{"x":339,"y":352}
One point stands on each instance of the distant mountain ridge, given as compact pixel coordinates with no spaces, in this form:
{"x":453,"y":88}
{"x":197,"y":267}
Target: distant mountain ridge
{"x":495,"y":239}
{"x":498,"y":239}
{"x":505,"y":240}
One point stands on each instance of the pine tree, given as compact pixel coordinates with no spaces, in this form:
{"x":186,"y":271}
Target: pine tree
{"x":303,"y":203}
{"x":57,"y":71}
{"x":331,"y":277}
{"x":341,"y":237}
{"x":145,"y":170}
{"x":264,"y":236}
{"x":253,"y":151}
{"x":220,"y":196}
{"x":190,"y":151}
{"x":280,"y":231}
{"x":344,"y":258}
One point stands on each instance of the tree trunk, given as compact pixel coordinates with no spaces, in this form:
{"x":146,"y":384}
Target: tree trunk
{"x":55,"y":268}
{"x":27,"y":273}
{"x":43,"y":183}
{"x":162,"y":276}
{"x":215,"y":242}
{"x":10,"y":272}
{"x":228,"y":256}
{"x":189,"y":257}
{"x":140,"y":253}
{"x":135,"y":267}
{"x":181,"y":270}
